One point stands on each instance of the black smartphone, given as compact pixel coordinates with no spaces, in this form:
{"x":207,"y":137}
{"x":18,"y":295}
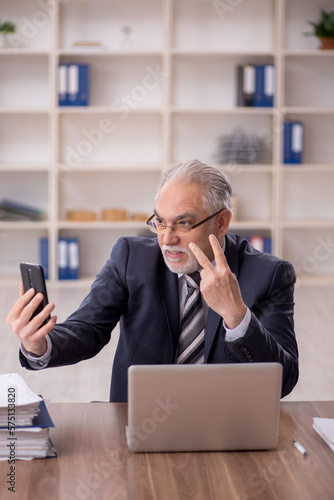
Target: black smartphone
{"x":33,"y":277}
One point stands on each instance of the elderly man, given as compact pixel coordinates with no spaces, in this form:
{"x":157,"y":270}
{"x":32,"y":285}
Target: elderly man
{"x":194,"y":294}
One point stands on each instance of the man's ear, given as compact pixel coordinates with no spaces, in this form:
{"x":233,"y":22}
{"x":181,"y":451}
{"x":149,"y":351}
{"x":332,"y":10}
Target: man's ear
{"x":224,"y":219}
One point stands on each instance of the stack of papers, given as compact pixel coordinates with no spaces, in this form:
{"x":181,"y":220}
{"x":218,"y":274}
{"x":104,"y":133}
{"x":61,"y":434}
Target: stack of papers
{"x":325,"y":428}
{"x":12,"y":210}
{"x":14,"y":391}
{"x":24,"y":421}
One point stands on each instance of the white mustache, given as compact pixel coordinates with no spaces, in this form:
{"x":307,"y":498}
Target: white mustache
{"x":175,"y":248}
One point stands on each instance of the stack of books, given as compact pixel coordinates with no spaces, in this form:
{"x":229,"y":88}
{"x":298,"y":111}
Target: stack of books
{"x":24,"y":421}
{"x":14,"y":211}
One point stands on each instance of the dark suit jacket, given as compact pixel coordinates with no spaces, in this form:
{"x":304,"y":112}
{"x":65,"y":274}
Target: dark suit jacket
{"x":136,"y":287}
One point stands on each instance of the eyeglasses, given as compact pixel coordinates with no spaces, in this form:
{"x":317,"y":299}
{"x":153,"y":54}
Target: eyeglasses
{"x":156,"y":225}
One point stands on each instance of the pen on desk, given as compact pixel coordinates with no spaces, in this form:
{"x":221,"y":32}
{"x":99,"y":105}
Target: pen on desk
{"x":299,"y":447}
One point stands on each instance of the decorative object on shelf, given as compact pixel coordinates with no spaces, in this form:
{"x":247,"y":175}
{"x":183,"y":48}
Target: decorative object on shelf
{"x":81,"y":215}
{"x":256,"y":85}
{"x":140,"y":216}
{"x":114,"y":214}
{"x":73,"y":87}
{"x":12,"y":211}
{"x":240,"y":147}
{"x":87,"y":44}
{"x":324,"y":30}
{"x":293,"y":142}
{"x":127,"y":43}
{"x":5,"y":28}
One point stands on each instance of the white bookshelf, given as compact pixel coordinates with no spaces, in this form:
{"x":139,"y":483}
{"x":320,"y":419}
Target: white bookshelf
{"x":162,"y":99}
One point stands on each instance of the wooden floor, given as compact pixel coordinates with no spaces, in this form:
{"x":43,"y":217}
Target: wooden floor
{"x":90,"y":380}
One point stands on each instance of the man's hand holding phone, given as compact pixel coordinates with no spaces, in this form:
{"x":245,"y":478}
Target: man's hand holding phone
{"x":31,"y":330}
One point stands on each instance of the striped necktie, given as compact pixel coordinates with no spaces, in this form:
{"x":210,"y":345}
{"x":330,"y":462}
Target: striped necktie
{"x":192,"y":329}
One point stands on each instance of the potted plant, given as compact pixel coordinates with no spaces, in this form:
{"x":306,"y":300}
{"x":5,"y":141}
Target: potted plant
{"x":324,"y":29}
{"x":5,"y":28}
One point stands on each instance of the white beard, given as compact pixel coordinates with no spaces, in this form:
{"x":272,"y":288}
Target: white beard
{"x":190,"y":266}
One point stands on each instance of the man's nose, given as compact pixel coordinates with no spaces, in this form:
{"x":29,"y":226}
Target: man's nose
{"x":170,"y":237}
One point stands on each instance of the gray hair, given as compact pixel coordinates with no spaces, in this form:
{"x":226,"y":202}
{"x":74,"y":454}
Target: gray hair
{"x":217,"y":189}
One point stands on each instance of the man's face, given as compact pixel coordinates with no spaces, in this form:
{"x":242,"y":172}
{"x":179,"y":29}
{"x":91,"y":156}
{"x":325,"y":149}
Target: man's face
{"x":178,"y":203}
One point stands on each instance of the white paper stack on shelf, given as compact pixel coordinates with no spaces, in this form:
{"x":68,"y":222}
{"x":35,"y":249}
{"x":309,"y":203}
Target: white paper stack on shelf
{"x":325,"y":428}
{"x":24,"y":421}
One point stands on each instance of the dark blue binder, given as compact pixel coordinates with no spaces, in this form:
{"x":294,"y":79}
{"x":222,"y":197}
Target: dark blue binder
{"x":264,"y":85}
{"x":74,"y":84}
{"x":44,"y":256}
{"x":43,"y":418}
{"x":83,"y":92}
{"x":62,"y":85}
{"x":73,"y":259}
{"x":297,"y":142}
{"x":258,"y":100}
{"x":287,"y":156}
{"x":293,"y":142}
{"x":267,"y":245}
{"x":68,"y":259}
{"x":269,"y":85}
{"x":245,"y":84}
{"x":62,"y":259}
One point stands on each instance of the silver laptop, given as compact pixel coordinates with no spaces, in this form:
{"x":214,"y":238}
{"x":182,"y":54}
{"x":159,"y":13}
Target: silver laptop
{"x":203,"y":407}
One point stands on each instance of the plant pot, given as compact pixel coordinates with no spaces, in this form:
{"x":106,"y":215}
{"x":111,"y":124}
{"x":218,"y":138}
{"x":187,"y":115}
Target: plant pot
{"x":327,"y":43}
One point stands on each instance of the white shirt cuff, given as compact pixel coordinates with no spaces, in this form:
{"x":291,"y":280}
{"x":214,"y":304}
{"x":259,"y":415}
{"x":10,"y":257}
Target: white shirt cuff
{"x":240,"y":330}
{"x":39,"y":361}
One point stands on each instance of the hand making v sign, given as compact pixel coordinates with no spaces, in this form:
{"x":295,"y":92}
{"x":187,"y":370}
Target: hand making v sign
{"x":219,"y":286}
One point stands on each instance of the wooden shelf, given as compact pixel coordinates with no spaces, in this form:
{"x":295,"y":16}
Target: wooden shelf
{"x":242,"y":110}
{"x":221,"y":53}
{"x":102,"y":110}
{"x":23,"y":225}
{"x":310,"y":110}
{"x":104,"y":51}
{"x":102,"y":225}
{"x":309,"y":53}
{"x":315,"y":223}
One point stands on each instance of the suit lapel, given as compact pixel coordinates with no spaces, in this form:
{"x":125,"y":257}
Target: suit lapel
{"x":214,"y":320}
{"x":231,"y":254}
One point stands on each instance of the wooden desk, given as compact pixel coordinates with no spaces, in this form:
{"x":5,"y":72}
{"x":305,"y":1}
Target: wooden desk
{"x":94,"y":463}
